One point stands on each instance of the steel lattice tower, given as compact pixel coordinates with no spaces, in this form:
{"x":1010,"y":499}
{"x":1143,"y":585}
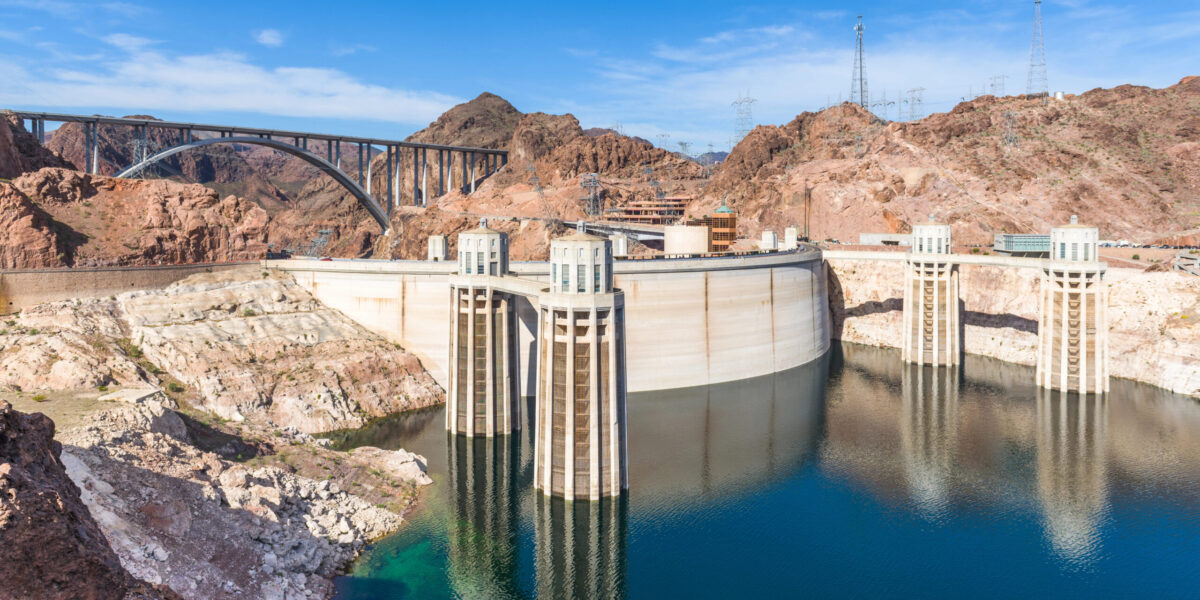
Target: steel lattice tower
{"x":745,"y":121}
{"x":858,"y":86}
{"x":1035,"y":84}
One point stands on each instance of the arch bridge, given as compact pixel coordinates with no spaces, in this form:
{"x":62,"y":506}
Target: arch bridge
{"x":476,"y":163}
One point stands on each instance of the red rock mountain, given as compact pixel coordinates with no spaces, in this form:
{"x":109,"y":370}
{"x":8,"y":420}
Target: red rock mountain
{"x":1125,"y":159}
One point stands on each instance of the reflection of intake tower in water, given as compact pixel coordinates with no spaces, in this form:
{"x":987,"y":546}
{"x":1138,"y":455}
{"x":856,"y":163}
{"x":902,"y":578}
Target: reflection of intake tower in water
{"x":483,"y":532}
{"x":481,"y":398}
{"x":580,"y":445}
{"x":929,"y":434}
{"x":580,"y":548}
{"x":1072,"y":470}
{"x":744,"y":435}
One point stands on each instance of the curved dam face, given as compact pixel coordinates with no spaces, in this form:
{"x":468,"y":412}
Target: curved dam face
{"x":689,"y":322}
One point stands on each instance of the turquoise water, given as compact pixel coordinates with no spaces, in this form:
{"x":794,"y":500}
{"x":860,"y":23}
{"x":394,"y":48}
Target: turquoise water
{"x":852,"y":477}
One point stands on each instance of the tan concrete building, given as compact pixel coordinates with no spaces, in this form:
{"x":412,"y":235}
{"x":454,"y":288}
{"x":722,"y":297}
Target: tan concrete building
{"x":581,"y":389}
{"x":1073,"y":327}
{"x":482,"y":398}
{"x":931,"y":315}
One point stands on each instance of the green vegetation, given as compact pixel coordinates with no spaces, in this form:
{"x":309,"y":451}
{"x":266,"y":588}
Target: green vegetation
{"x":39,"y":398}
{"x":130,"y":350}
{"x":33,"y":332}
{"x":174,"y":387}
{"x":1137,"y":257}
{"x":103,"y":388}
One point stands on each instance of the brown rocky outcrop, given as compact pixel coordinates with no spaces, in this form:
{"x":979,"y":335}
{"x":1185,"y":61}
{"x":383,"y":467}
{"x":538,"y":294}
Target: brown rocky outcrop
{"x":50,"y":546}
{"x":20,"y":152}
{"x":28,"y":236}
{"x":1123,"y":159}
{"x":67,"y":218}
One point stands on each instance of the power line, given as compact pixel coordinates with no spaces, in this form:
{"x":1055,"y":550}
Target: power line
{"x":1035,"y":83}
{"x":858,"y":84}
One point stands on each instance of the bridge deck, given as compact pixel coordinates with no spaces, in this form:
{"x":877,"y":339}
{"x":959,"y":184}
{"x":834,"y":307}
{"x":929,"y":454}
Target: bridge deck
{"x":250,"y":131}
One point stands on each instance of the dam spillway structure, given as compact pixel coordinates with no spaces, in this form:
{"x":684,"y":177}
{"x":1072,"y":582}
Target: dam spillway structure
{"x":1072,"y":324}
{"x":931,"y":312}
{"x":580,"y":444}
{"x":482,"y":398}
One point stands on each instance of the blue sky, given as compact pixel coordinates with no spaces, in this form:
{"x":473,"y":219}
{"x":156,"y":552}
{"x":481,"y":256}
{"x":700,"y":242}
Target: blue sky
{"x":658,"y":69}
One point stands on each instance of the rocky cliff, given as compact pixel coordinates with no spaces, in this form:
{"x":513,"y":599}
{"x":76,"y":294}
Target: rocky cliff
{"x":249,"y":347}
{"x":1153,"y":318}
{"x":1126,"y":159}
{"x":20,"y":152}
{"x":50,"y":546}
{"x":60,"y":217}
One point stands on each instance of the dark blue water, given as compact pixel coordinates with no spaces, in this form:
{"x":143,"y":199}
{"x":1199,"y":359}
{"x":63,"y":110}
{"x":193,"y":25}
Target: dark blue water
{"x":852,"y":477}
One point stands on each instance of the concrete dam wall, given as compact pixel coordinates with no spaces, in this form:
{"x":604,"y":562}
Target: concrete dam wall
{"x":690,"y":322}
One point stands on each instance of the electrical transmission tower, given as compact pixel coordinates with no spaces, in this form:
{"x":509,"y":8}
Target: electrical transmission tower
{"x":858,"y":85}
{"x":591,"y":183}
{"x":883,"y":103}
{"x":1010,"y":130}
{"x":915,"y":110}
{"x":996,"y":85}
{"x":684,"y":147}
{"x":663,"y":140}
{"x":1035,"y":84}
{"x":745,"y":121}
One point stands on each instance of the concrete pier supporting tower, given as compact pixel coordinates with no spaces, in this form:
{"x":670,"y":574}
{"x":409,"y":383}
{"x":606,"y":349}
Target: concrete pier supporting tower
{"x":580,"y":448}
{"x":931,"y":315}
{"x":1073,"y":325}
{"x":481,"y":398}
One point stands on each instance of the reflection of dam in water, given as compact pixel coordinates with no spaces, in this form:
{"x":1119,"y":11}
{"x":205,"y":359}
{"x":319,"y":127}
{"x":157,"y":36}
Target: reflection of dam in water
{"x":725,"y":438}
{"x":864,"y":478}
{"x":1072,"y":470}
{"x":483,"y":476}
{"x":579,"y":547}
{"x":929,"y":435}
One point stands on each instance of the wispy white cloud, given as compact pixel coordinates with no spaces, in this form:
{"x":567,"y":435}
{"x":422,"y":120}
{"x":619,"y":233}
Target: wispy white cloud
{"x":143,"y":79}
{"x":347,"y":50}
{"x":271,"y":38}
{"x":126,"y":42}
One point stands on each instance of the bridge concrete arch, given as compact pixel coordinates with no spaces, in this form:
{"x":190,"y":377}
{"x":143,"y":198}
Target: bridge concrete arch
{"x":365,"y":199}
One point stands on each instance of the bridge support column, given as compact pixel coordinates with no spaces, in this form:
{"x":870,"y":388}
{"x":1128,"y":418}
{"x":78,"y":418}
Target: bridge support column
{"x":1073,"y":321}
{"x":441,"y":173}
{"x":369,"y":165}
{"x":338,"y":164}
{"x":464,"y":172}
{"x":93,"y":154}
{"x":389,"y":181}
{"x":580,"y":443}
{"x":472,"y":172}
{"x":416,"y":180}
{"x":360,"y":164}
{"x":396,"y":184}
{"x":424,"y":178}
{"x":931,"y":315}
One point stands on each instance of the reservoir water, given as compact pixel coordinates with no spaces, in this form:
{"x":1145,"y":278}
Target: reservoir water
{"x":851,"y":477}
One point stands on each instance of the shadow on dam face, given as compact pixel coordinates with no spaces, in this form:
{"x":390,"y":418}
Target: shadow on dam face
{"x":724,"y":439}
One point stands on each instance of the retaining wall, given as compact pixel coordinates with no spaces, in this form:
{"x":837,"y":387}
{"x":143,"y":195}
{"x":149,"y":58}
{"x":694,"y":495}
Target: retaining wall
{"x":20,"y":289}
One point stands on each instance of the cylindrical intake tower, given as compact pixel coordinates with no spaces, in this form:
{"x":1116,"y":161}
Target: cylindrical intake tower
{"x":580,"y":445}
{"x":1073,"y":326}
{"x":931,"y":316}
{"x":481,"y":398}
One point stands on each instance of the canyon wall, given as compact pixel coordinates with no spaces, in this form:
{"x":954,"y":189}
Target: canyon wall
{"x":1154,"y":318}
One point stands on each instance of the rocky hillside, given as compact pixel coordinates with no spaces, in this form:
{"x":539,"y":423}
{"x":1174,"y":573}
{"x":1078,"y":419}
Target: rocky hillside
{"x":21,"y":152}
{"x":63,"y":218}
{"x":1126,"y":159}
{"x":253,"y":348}
{"x":50,"y":545}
